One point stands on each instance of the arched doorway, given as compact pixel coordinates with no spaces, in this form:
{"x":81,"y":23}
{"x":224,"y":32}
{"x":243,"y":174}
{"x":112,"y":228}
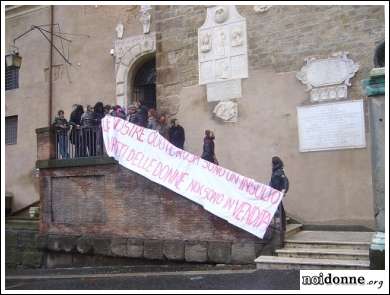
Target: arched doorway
{"x":144,"y":83}
{"x":130,"y":54}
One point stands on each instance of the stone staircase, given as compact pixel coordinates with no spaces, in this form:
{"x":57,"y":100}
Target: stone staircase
{"x":319,"y":250}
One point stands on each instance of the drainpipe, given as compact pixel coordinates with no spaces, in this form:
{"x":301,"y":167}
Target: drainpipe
{"x":51,"y":64}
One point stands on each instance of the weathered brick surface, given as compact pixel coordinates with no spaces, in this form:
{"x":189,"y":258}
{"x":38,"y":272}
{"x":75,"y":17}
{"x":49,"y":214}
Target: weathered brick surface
{"x":153,"y":249}
{"x":220,"y":252}
{"x":101,"y":246}
{"x":68,"y":244}
{"x":135,"y":248}
{"x":134,"y":208}
{"x":53,"y":242}
{"x":196,"y":251}
{"x":243,"y":252}
{"x":45,"y":144}
{"x":70,"y":210}
{"x":174,"y":250}
{"x":279,"y":39}
{"x":84,"y":245}
{"x":119,"y":247}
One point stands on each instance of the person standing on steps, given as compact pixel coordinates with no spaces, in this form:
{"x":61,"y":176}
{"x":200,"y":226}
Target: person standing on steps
{"x":280,"y":182}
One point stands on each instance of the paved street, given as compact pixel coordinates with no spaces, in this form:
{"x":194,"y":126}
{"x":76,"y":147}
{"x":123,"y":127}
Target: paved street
{"x":83,"y":279}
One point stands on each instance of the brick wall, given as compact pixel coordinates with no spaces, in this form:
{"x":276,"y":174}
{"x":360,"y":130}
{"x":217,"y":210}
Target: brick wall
{"x":45,"y":143}
{"x":120,"y":213}
{"x":278,"y":39}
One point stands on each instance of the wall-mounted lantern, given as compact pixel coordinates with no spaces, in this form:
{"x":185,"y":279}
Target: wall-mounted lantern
{"x":13,"y":60}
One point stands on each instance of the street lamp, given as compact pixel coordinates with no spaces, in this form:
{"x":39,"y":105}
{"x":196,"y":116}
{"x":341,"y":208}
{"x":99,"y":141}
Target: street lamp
{"x":13,"y":60}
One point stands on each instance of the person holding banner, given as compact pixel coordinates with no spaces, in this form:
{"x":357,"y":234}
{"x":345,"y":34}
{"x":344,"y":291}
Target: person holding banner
{"x":279,"y":181}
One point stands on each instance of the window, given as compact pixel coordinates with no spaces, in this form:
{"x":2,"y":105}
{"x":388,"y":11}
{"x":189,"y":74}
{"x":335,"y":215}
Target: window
{"x":11,"y":78}
{"x":11,"y":129}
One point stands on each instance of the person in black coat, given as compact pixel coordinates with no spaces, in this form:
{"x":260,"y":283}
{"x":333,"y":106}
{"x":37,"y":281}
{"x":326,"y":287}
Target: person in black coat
{"x":209,"y":147}
{"x":98,"y":143}
{"x":176,"y":134}
{"x":75,"y":134}
{"x":141,"y":117}
{"x":279,"y":181}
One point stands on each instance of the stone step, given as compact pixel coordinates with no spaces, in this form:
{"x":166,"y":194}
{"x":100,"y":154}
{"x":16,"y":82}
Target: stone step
{"x":293,"y":228}
{"x":276,"y":262}
{"x":327,"y":245}
{"x":329,"y":239}
{"x":338,"y":254}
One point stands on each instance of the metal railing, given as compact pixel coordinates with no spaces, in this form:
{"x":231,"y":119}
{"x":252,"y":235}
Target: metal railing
{"x":79,"y":142}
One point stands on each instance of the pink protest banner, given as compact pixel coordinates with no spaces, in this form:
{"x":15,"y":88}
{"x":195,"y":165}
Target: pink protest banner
{"x":240,"y":200}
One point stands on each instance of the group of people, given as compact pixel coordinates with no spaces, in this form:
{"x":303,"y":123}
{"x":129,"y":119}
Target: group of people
{"x":149,"y":118}
{"x":84,"y":132}
{"x":86,"y":135}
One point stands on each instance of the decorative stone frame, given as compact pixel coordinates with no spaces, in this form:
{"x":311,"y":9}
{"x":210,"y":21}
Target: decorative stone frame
{"x":128,"y":53}
{"x":328,"y":79}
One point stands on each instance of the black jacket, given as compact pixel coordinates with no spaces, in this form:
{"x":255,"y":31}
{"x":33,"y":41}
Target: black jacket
{"x":88,"y":119}
{"x":279,"y":180}
{"x":75,"y":118}
{"x":141,"y":117}
{"x":208,"y":150}
{"x":176,"y":136}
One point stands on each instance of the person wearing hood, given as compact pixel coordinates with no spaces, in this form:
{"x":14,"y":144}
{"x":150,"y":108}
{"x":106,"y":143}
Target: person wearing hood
{"x":280,"y":182}
{"x":209,"y":147}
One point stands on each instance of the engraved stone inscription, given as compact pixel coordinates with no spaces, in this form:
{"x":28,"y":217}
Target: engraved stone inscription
{"x":78,"y":200}
{"x":223,"y":46}
{"x":205,"y":42}
{"x":331,"y":126}
{"x":328,"y":78}
{"x":224,"y":90}
{"x":236,"y":37}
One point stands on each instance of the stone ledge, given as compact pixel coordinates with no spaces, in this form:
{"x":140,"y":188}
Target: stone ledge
{"x":243,"y":252}
{"x":89,"y":161}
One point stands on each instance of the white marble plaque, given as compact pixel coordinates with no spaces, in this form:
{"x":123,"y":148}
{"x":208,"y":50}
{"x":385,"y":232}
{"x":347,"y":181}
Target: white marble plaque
{"x":222,"y":45}
{"x":223,"y":53}
{"x":331,"y":126}
{"x":224,"y":90}
{"x":328,"y":79}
